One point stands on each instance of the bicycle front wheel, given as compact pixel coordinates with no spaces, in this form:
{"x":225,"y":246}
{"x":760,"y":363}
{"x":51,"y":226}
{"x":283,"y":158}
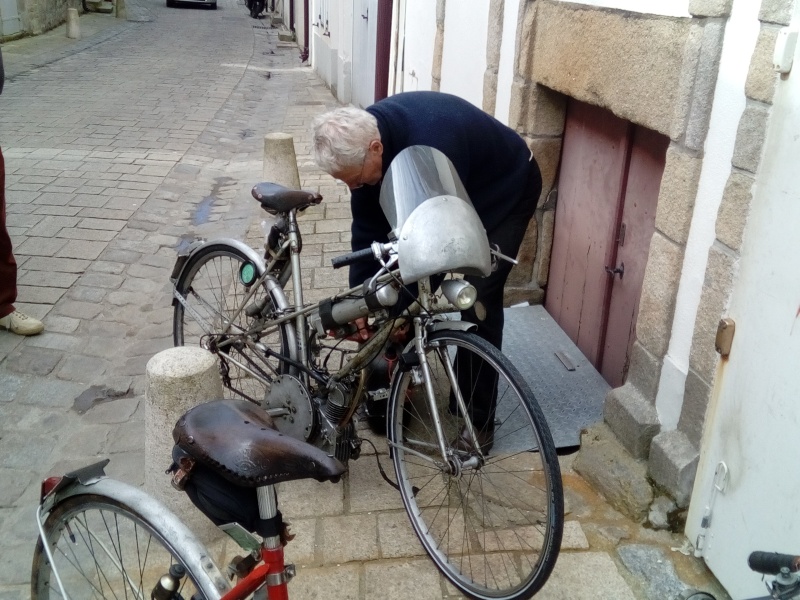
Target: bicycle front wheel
{"x":491,"y":521}
{"x":214,"y":290}
{"x":104,"y":549}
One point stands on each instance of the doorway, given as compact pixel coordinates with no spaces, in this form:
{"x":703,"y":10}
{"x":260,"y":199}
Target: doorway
{"x":611,"y":172}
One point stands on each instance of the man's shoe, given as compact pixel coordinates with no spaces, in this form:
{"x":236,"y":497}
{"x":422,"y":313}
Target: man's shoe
{"x":485,"y":437}
{"x":21,"y":324}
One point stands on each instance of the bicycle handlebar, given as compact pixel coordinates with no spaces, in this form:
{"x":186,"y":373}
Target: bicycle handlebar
{"x":771,"y":563}
{"x":348,"y":259}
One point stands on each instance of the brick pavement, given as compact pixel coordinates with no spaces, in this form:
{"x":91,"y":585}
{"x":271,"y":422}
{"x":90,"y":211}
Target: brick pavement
{"x":120,"y":147}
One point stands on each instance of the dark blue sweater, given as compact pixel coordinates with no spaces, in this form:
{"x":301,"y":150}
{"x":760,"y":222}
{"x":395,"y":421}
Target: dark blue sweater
{"x":491,"y":159}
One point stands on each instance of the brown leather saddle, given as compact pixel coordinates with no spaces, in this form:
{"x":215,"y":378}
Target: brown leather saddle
{"x":238,"y":440}
{"x":276,"y":199}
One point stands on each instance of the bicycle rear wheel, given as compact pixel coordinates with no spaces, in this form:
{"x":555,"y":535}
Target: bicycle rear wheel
{"x":102,"y":548}
{"x":492,"y":525}
{"x":214,"y":291}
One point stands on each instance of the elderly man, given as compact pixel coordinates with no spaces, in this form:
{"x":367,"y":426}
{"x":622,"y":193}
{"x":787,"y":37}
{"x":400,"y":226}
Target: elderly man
{"x":10,"y":318}
{"x":495,"y":165}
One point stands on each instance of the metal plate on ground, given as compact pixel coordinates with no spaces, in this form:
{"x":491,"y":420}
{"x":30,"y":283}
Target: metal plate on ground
{"x":538,"y":347}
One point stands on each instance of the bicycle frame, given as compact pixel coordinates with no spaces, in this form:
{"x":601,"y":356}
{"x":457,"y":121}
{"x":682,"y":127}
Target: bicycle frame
{"x":295,"y":317}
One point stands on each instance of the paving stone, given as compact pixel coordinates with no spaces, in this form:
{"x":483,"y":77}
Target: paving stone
{"x":14,"y":484}
{"x":396,"y":536}
{"x":395,"y":580}
{"x":25,"y":452}
{"x":87,"y":294}
{"x":34,"y":361}
{"x":302,"y":549}
{"x":605,"y":581}
{"x":39,"y":295}
{"x":84,"y":369}
{"x":15,"y":563}
{"x":82,"y":249}
{"x":331,"y":583}
{"x":113,"y":411}
{"x":61,"y":265}
{"x":56,"y":341}
{"x":107,"y":224}
{"x":78,"y":309}
{"x":651,"y":566}
{"x":368,"y":491}
{"x":49,"y":279}
{"x":10,"y":384}
{"x":349,"y":538}
{"x":98,"y":235}
{"x":39,"y":246}
{"x":48,"y":393}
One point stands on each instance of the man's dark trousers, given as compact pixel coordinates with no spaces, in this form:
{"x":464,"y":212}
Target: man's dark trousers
{"x":8,"y":266}
{"x":478,"y":382}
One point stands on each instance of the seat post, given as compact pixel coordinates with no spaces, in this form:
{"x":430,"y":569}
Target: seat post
{"x":267,"y":509}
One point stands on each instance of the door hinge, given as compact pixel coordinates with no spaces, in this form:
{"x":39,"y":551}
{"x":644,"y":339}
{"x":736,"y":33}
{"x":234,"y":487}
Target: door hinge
{"x":719,"y":484}
{"x":621,"y":235}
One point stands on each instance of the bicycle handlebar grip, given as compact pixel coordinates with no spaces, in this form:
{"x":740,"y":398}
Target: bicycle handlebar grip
{"x":349,"y":259}
{"x":771,"y":563}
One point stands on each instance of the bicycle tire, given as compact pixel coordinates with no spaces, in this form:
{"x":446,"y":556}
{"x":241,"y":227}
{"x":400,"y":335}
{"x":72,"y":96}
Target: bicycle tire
{"x":211,"y":285}
{"x":493,"y":531}
{"x":103,"y":548}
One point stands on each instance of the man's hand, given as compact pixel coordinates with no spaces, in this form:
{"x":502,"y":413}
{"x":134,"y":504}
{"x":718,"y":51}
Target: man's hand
{"x":363,"y":333}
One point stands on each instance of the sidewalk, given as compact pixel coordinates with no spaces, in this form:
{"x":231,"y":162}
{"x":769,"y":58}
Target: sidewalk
{"x":137,"y":157}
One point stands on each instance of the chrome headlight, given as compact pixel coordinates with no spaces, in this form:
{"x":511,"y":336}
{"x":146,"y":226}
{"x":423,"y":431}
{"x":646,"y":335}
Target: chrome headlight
{"x":459,"y":293}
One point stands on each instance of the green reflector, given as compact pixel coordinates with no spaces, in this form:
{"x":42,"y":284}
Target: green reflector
{"x":247,"y":273}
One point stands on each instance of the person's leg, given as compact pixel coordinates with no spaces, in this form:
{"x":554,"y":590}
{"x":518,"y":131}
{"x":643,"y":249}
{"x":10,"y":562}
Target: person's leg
{"x":8,"y":266}
{"x":10,"y":318}
{"x":487,"y":313}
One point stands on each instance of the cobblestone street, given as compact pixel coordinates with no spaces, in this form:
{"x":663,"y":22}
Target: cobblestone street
{"x":122,"y":147}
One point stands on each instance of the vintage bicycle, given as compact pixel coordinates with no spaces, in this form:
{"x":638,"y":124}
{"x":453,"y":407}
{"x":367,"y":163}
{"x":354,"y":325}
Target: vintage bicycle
{"x":486,"y":504}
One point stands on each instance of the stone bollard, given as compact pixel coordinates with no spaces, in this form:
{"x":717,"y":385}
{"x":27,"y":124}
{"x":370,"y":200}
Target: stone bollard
{"x":73,"y":25}
{"x":121,"y":10}
{"x":280,"y":163}
{"x":177,"y":379}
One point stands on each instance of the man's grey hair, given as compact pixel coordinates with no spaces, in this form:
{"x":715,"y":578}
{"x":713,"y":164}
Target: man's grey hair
{"x":341,"y":138}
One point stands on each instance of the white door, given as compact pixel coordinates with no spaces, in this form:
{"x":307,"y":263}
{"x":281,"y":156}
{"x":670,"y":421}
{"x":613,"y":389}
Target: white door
{"x":753,"y":422}
{"x":9,"y":18}
{"x":365,"y":35}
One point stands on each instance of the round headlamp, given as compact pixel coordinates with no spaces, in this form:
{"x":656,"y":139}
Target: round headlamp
{"x":459,"y":293}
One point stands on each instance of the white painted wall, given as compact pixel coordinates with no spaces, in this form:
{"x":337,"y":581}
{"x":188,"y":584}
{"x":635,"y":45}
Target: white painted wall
{"x":464,"y":53}
{"x":420,"y":36}
{"x":505,"y":74}
{"x":673,"y":8}
{"x":741,"y":33}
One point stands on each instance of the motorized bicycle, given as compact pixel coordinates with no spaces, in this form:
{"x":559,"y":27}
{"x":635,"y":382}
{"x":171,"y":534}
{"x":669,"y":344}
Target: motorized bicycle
{"x":486,"y":504}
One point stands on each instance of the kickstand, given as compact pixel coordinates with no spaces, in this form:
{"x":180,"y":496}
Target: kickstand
{"x":380,"y":467}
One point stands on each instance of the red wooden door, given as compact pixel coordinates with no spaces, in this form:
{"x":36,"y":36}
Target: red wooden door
{"x":608,"y":190}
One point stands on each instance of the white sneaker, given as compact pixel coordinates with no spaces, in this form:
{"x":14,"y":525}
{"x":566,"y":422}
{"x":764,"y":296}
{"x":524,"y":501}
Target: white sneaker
{"x":21,"y":324}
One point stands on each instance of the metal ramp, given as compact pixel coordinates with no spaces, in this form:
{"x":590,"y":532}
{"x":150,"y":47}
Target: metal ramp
{"x":539,"y":348}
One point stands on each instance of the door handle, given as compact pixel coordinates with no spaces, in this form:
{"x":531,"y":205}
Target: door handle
{"x":620,"y":270}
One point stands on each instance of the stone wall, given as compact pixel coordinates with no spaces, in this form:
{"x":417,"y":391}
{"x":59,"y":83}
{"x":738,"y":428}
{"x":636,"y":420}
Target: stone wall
{"x":662,"y":78}
{"x":681,"y":448}
{"x":39,"y":16}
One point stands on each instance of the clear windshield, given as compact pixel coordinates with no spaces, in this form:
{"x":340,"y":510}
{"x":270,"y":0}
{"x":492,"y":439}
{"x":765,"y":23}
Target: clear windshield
{"x":435,"y":225}
{"x":416,"y":175}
